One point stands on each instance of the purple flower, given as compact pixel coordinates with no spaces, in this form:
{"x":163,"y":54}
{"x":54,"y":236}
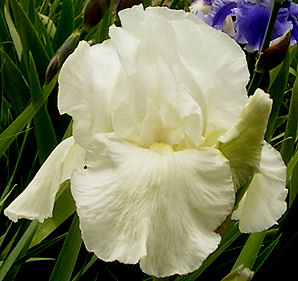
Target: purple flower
{"x":220,"y":10}
{"x":251,"y":23}
{"x":293,"y":14}
{"x":251,"y":19}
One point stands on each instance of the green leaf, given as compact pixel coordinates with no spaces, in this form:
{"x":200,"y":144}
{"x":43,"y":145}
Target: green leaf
{"x":40,"y":259}
{"x":66,"y":24}
{"x":44,"y":35}
{"x":48,"y":24}
{"x":41,"y":248}
{"x":4,"y":236}
{"x":265,"y":254}
{"x":44,"y":131}
{"x":250,"y":250}
{"x":290,"y":170}
{"x":4,"y":33}
{"x":69,"y":253}
{"x":14,"y":84}
{"x":30,"y":39}
{"x":13,"y":32}
{"x":2,"y":200}
{"x":18,"y":248}
{"x":12,"y":131}
{"x":85,"y":268}
{"x":104,"y":25}
{"x":293,"y":185}
{"x":288,"y":145}
{"x":63,"y":209}
{"x":276,"y":91}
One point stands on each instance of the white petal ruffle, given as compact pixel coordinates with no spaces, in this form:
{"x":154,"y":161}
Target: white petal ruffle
{"x":215,"y":77}
{"x":264,"y":201}
{"x":154,"y":205}
{"x":86,"y":81}
{"x":37,"y":200}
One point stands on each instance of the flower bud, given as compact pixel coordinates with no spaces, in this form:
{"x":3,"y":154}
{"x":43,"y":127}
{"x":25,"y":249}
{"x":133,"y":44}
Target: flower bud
{"x":123,"y":4}
{"x":94,"y":11}
{"x":276,"y":53}
{"x":240,"y":273}
{"x":66,"y":49}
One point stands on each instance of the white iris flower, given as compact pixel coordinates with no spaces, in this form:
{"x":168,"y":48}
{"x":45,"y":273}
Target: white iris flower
{"x":163,"y":136}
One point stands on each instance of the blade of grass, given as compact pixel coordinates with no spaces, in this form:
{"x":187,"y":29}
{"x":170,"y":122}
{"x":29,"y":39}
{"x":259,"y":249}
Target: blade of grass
{"x":265,"y":254}
{"x":69,"y":253}
{"x":8,"y":189}
{"x":66,"y":24}
{"x":44,"y":35}
{"x":43,"y":128}
{"x":14,"y":84}
{"x":13,"y":32}
{"x":41,"y":248}
{"x":11,"y":132}
{"x":85,"y":268}
{"x":18,"y":248}
{"x":30,"y":39}
{"x":291,"y":165}
{"x":293,"y":185}
{"x":288,"y":145}
{"x":4,"y":32}
{"x":39,"y":259}
{"x":276,"y":91}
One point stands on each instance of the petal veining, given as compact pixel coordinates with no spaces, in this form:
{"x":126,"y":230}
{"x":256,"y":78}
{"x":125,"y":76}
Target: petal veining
{"x":154,"y":205}
{"x":37,"y":200}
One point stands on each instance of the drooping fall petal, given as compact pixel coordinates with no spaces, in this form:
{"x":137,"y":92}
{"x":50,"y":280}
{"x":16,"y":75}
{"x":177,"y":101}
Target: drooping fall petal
{"x":264,"y":201}
{"x":156,"y":205}
{"x":37,"y":200}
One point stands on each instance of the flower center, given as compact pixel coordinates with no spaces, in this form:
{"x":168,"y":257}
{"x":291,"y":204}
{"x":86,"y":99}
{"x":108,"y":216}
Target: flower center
{"x":162,"y":148}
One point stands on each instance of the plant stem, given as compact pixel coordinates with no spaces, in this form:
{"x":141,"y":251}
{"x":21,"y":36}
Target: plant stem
{"x":250,"y":250}
{"x":259,"y":73}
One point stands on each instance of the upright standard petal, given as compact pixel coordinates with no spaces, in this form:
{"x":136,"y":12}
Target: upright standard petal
{"x":86,"y":81}
{"x":153,"y":105}
{"x":218,"y":80}
{"x":264,"y":202}
{"x":242,"y":144}
{"x":187,"y":39}
{"x":37,"y":200}
{"x":157,"y":206}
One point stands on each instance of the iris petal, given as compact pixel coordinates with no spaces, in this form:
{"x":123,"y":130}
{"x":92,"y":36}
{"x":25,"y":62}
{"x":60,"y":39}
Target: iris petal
{"x":85,"y":89}
{"x":157,"y":206}
{"x":220,"y":10}
{"x":37,"y":200}
{"x":264,"y":202}
{"x":251,"y":23}
{"x":242,"y":144}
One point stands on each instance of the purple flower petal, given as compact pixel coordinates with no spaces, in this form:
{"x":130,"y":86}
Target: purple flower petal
{"x":220,"y":10}
{"x":252,"y":21}
{"x":293,"y":13}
